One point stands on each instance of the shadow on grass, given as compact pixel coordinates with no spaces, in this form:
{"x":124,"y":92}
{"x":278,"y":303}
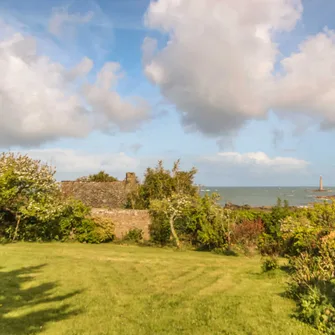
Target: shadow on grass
{"x":286,"y":268}
{"x":22,"y":311}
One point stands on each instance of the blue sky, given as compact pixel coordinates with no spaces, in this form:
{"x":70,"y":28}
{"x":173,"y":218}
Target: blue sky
{"x":245,"y":92}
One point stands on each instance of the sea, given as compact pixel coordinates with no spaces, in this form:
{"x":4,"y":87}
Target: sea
{"x":267,"y":196}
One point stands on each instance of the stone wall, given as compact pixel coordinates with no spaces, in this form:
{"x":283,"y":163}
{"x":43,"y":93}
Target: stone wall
{"x":125,"y":220}
{"x":107,"y":200}
{"x":100,"y":194}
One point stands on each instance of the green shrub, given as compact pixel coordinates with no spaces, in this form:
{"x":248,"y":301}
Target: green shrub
{"x":312,"y":284}
{"x":28,"y":198}
{"x":268,"y":245}
{"x":316,"y":309}
{"x":270,"y":264}
{"x":323,"y":215}
{"x":104,"y":229}
{"x":71,"y":217}
{"x":216,"y":226}
{"x":32,"y":207}
{"x":272,"y":220}
{"x":159,"y":229}
{"x":134,"y":235}
{"x":86,"y":232}
{"x":76,"y":223}
{"x":248,"y":215}
{"x":299,"y":235}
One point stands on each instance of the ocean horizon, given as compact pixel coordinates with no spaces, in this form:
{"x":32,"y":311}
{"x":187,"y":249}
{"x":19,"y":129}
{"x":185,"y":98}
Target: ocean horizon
{"x":268,"y":195}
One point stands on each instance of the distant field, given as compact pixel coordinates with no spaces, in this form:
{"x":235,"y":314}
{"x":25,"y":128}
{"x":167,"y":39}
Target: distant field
{"x":68,"y":289}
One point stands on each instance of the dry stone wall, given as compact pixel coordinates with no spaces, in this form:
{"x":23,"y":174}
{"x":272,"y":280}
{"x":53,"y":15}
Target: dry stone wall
{"x":101,"y":194}
{"x":125,"y":220}
{"x":107,"y":200}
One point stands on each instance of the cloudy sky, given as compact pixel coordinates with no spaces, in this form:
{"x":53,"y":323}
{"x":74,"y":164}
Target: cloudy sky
{"x":242,"y":89}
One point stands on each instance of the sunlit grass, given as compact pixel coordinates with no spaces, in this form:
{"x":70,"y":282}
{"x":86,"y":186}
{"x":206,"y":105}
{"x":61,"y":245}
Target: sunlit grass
{"x":68,"y":289}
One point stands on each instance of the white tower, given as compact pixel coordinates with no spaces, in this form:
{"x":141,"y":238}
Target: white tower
{"x":321,"y":184}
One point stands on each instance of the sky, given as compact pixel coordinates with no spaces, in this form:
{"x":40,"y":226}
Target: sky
{"x":242,"y":90}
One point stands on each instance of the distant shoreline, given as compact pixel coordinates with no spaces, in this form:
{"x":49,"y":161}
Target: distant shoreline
{"x":330,"y":197}
{"x":260,"y":208}
{"x":263,"y":198}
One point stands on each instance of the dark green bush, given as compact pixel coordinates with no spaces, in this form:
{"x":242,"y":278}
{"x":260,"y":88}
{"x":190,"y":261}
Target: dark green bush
{"x":159,"y":229}
{"x":134,"y":235}
{"x":272,"y":220}
{"x":268,"y":245}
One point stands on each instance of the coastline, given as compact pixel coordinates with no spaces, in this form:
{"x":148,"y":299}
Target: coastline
{"x":326,"y":197}
{"x":260,"y":208}
{"x":264,"y":198}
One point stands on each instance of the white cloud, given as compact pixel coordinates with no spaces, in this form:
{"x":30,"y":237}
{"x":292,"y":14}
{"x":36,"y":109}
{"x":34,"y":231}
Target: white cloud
{"x":61,"y":18}
{"x":41,"y":100}
{"x":109,"y":105}
{"x":307,"y":82}
{"x":35,"y":104}
{"x":256,"y":162}
{"x":134,"y":148}
{"x":81,"y":69}
{"x":217,"y":65}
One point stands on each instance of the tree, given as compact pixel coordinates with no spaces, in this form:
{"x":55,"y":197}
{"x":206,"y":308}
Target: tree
{"x":176,"y":206}
{"x":160,"y":184}
{"x":214,"y":224}
{"x":27,"y":189}
{"x":101,"y":177}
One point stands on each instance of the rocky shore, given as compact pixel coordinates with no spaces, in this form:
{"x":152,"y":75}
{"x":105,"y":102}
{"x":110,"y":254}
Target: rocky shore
{"x":326,"y":197}
{"x":229,"y":205}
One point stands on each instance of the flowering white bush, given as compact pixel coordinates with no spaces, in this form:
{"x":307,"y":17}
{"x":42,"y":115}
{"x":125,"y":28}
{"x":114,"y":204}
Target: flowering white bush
{"x":173,"y":208}
{"x":27,"y":189}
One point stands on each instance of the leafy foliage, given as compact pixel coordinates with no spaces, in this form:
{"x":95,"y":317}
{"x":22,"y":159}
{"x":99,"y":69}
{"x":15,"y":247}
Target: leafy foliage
{"x":271,"y":242}
{"x":270,"y":263}
{"x":248,"y":231}
{"x":159,"y":229}
{"x":100,"y":177}
{"x":318,"y":310}
{"x":76,"y":223}
{"x":299,"y":234}
{"x":177,"y":206}
{"x":134,"y":235}
{"x":313,"y":284}
{"x":216,"y":227}
{"x":160,"y":184}
{"x":27,"y":193}
{"x":33,"y":209}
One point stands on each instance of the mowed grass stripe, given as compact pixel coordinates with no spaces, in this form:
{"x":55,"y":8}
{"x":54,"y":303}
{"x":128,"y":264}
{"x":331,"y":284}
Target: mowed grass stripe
{"x":70,"y":289}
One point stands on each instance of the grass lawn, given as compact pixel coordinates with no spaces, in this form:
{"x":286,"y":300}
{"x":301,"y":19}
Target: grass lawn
{"x":68,"y":289}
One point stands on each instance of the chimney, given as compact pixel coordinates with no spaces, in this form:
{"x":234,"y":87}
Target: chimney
{"x":131,"y":178}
